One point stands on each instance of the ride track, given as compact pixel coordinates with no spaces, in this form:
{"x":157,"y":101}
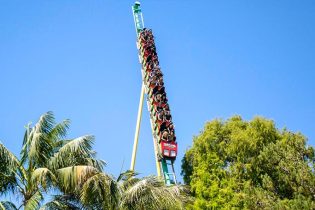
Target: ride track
{"x":164,"y":139}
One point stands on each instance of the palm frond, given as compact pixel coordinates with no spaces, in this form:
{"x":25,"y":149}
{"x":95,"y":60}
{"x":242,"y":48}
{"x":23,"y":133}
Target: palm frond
{"x":151,"y":193}
{"x":45,"y":123}
{"x":53,"y":205}
{"x":63,"y":202}
{"x":96,"y":163}
{"x":59,"y":131}
{"x":101,"y":191}
{"x":61,"y":143}
{"x":8,"y":160}
{"x":8,"y":166}
{"x":34,"y":201}
{"x":40,"y":149}
{"x":176,"y":196}
{"x":25,"y":145}
{"x":37,"y":147}
{"x":7,"y":205}
{"x":76,"y":152}
{"x":127,"y":175}
{"x":43,"y":177}
{"x":8,"y":183}
{"x":71,"y":179}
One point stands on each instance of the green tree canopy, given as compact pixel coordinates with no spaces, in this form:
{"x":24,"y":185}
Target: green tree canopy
{"x":236,"y":164}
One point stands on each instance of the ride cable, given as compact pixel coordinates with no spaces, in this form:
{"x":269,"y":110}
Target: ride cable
{"x":164,"y":139}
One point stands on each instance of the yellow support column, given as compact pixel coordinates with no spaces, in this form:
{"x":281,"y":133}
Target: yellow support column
{"x":135,"y":142}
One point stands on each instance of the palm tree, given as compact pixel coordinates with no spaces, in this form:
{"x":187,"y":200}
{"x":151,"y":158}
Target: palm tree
{"x":101,"y":191}
{"x":51,"y":163}
{"x":48,"y":161}
{"x":151,"y":193}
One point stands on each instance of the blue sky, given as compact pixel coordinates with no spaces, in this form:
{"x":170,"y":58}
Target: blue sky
{"x":219,"y":58}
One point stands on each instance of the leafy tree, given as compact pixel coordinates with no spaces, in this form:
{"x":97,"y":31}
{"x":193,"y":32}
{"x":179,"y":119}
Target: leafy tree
{"x":236,"y":164}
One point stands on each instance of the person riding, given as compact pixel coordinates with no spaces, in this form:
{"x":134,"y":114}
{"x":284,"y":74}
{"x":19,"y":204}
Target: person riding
{"x":152,"y":82}
{"x":155,"y":72}
{"x":171,"y":136}
{"x":164,"y":135}
{"x":160,"y":115}
{"x":168,"y":116}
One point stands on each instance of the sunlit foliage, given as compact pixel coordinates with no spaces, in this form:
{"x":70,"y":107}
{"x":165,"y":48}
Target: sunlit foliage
{"x":236,"y":164}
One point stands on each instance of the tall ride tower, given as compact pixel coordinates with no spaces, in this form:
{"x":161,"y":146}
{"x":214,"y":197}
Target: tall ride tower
{"x":163,"y":132}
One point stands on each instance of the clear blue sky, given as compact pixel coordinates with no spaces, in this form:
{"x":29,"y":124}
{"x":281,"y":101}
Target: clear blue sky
{"x":219,"y":58}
